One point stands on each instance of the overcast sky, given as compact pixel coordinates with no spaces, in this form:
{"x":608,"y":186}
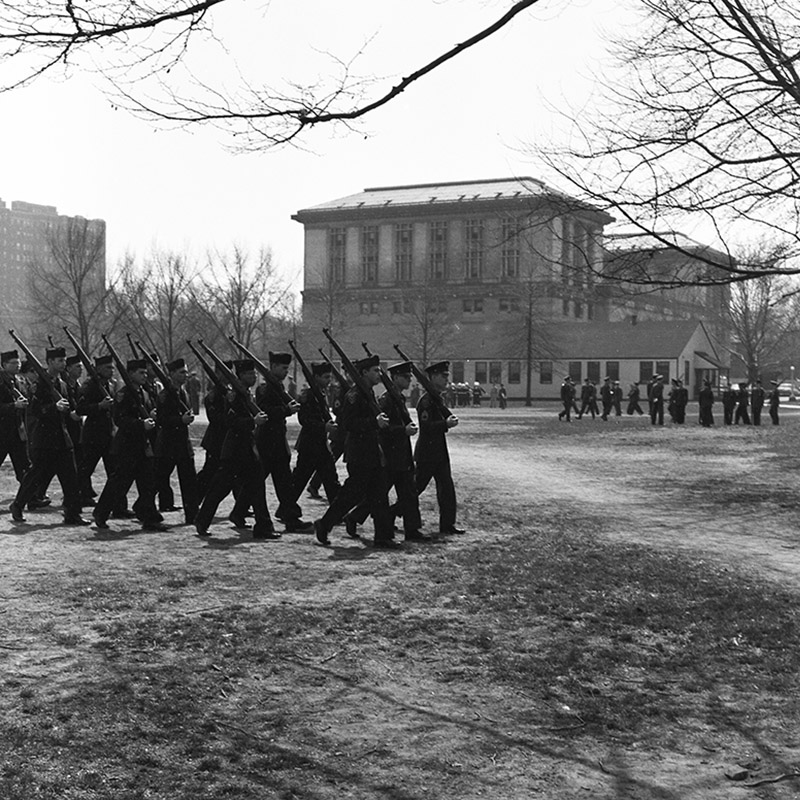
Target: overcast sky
{"x":65,"y":145}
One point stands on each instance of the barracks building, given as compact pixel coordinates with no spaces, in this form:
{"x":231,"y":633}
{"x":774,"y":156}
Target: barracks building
{"x":506,"y":278}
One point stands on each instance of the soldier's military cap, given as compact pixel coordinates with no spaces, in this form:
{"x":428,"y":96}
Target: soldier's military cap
{"x":242,"y":365}
{"x":320,"y":368}
{"x":71,"y":360}
{"x":135,"y":364}
{"x":102,"y":361}
{"x":178,"y":363}
{"x":367,"y":363}
{"x":9,"y":355}
{"x":280,"y":358}
{"x":401,"y":368}
{"x":438,"y":367}
{"x":55,"y":352}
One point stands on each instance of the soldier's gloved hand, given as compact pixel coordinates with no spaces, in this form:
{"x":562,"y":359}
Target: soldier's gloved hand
{"x":21,"y":403}
{"x":383,"y":420}
{"x":293,"y":407}
{"x":411,"y":429}
{"x":260,"y":418}
{"x":63,"y":406}
{"x":106,"y":402}
{"x":331,"y":427}
{"x":149,"y":424}
{"x":452,"y":421}
{"x":75,"y":415}
{"x":187,"y":418}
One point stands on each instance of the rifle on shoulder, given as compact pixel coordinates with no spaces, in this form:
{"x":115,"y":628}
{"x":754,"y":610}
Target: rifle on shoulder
{"x":312,"y":384}
{"x":393,"y":391}
{"x":39,"y":369}
{"x":355,"y":375}
{"x":162,"y":376}
{"x":265,"y":372}
{"x":122,"y":371}
{"x":425,"y":382}
{"x":232,"y":378}
{"x":87,"y":362}
{"x":208,"y":369}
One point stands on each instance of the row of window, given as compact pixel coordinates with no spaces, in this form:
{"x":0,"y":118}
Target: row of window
{"x":437,"y":250}
{"x":647,"y":369}
{"x":469,"y":305}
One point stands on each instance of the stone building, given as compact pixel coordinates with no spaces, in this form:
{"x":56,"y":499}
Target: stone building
{"x":36,"y":238}
{"x":487,"y":273}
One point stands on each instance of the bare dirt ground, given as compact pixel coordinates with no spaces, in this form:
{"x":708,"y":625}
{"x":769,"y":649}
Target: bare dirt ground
{"x":356,"y":692}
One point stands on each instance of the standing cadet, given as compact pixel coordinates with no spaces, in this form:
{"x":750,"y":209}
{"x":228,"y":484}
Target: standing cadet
{"x":607,"y":398}
{"x":13,"y":406}
{"x":173,"y":448}
{"x":657,"y":401}
{"x":567,"y":397}
{"x":616,"y":393}
{"x":132,"y":450}
{"x":728,"y":403}
{"x":51,"y":449}
{"x":273,"y":447}
{"x":588,"y":401}
{"x":774,"y":403}
{"x":316,"y":424}
{"x":431,"y":453}
{"x":633,"y":400}
{"x":742,"y":402}
{"x":680,"y":400}
{"x":706,"y":400}
{"x":366,"y":477}
{"x":239,"y":464}
{"x":757,"y":397}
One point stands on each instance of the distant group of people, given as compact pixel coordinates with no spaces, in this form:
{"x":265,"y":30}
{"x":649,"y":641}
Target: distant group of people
{"x":736,"y":402}
{"x":462,"y":395}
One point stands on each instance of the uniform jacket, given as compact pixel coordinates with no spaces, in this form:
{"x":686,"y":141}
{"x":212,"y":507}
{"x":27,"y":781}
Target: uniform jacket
{"x":396,"y":443}
{"x":357,"y":419}
{"x":50,"y":431}
{"x":12,"y":419}
{"x":172,"y":437}
{"x":238,"y":444}
{"x":757,"y":397}
{"x":131,"y":439}
{"x":272,"y":398}
{"x":431,"y":444}
{"x":215,"y":406}
{"x":312,"y":417}
{"x":98,"y":423}
{"x":706,"y":397}
{"x":74,"y":426}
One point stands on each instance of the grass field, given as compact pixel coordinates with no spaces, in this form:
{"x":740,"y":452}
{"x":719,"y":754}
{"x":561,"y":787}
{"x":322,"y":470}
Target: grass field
{"x":620,"y":621}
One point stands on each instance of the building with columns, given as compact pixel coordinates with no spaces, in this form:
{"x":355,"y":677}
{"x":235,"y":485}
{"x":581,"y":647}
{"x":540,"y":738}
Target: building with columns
{"x":488,"y":274}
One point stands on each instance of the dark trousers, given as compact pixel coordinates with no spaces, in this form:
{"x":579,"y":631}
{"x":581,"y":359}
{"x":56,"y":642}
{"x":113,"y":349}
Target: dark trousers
{"x":277,"y":464}
{"x":706,"y":417}
{"x":407,"y":505}
{"x":657,"y":412}
{"x":246,"y":473}
{"x":756,"y":415}
{"x":315,"y":463}
{"x":206,"y":474}
{"x":445,"y":489}
{"x":773,"y":415}
{"x":566,"y":411}
{"x":187,"y":480}
{"x":18,"y":452}
{"x":337,"y":450}
{"x":47,"y":464}
{"x":363,"y":485}
{"x":130,"y":469}
{"x":634,"y":407}
{"x":741,"y":415}
{"x":587,"y":406}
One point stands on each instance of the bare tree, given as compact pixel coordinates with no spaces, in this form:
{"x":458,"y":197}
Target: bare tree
{"x":67,"y":282}
{"x":763,"y":316}
{"x":428,"y":325}
{"x":126,"y":40}
{"x":238,"y":295}
{"x":701,"y":120}
{"x":157,"y":300}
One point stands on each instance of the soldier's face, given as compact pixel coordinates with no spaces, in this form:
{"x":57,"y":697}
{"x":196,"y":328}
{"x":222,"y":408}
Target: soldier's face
{"x":139,"y":376}
{"x":12,"y":366}
{"x":323,"y":381}
{"x":280,"y":371}
{"x":179,"y":376}
{"x":105,"y":371}
{"x":373,"y":375}
{"x":403,"y":381}
{"x":440,"y":380}
{"x":57,"y":364}
{"x":75,"y":370}
{"x":248,"y":378}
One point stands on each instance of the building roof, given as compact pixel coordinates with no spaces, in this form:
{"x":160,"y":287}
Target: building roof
{"x":621,"y":243}
{"x":493,"y":190}
{"x":624,"y":340}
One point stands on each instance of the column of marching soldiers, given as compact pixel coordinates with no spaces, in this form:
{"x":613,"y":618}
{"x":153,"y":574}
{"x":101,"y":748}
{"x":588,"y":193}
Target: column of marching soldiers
{"x":735,"y":401}
{"x":135,"y":416}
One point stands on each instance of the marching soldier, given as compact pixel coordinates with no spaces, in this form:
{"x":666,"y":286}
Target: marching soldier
{"x":366,"y":477}
{"x":13,"y":406}
{"x":336,"y":393}
{"x":616,"y":398}
{"x":657,"y":401}
{"x":431,"y":454}
{"x":588,"y":401}
{"x":214,"y":404}
{"x":239,"y":464}
{"x":742,"y":401}
{"x":706,"y":400}
{"x":51,"y":449}
{"x":680,"y":400}
{"x":607,"y":398}
{"x":728,"y":403}
{"x":134,"y":416}
{"x":567,"y":397}
{"x":173,"y":448}
{"x":273,"y":447}
{"x":633,"y":400}
{"x":316,"y":425}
